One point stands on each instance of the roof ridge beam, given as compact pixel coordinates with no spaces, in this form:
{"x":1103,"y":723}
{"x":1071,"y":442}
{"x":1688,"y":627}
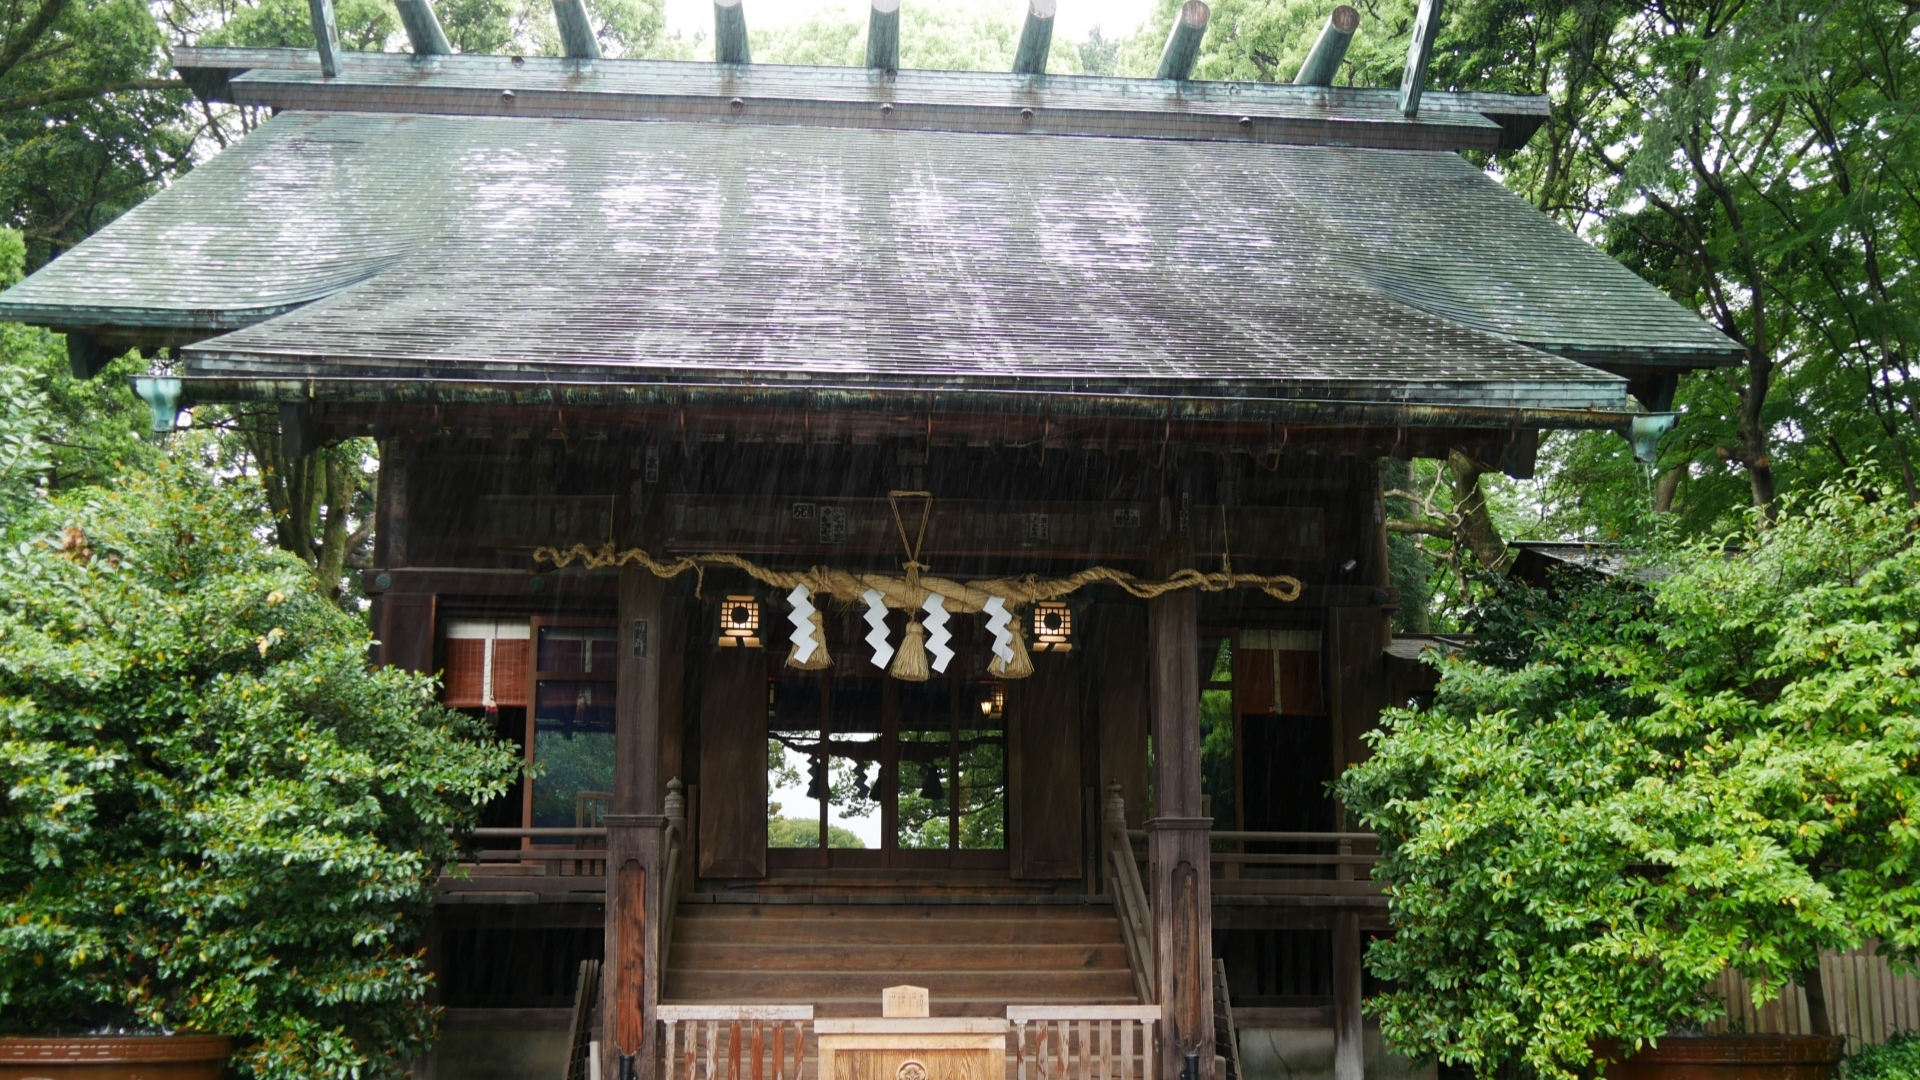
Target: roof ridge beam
{"x":730,"y":33}
{"x":423,"y":28}
{"x":1183,"y":41}
{"x":576,"y":30}
{"x":1329,"y":49}
{"x":1036,"y":38}
{"x":883,"y":35}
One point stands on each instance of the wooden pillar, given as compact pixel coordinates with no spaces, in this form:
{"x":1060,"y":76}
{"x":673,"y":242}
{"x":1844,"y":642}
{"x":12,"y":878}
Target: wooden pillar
{"x":1177,"y":840}
{"x":1356,"y":641}
{"x":1122,"y":701}
{"x":1349,"y":1046}
{"x":630,"y":979}
{"x":637,"y":783}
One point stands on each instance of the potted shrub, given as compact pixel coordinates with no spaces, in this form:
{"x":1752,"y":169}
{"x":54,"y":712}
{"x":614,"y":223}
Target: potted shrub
{"x":1647,"y":783}
{"x":215,"y":821}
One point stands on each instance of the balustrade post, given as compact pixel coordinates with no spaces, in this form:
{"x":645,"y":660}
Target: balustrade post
{"x":635,"y":845}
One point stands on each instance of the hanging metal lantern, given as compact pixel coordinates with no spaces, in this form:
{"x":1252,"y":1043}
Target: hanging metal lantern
{"x":1052,"y":627}
{"x":739,"y":623}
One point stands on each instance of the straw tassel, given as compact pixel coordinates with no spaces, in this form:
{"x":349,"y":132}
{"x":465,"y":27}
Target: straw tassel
{"x":1019,"y":667}
{"x":910,"y":664}
{"x":820,"y":660}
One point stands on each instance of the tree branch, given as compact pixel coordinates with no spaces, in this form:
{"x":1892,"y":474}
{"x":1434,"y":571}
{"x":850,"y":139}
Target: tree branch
{"x":81,"y":93}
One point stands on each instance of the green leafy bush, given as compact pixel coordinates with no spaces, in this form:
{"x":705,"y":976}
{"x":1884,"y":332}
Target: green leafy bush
{"x":1647,"y":784}
{"x":1898,"y":1059}
{"x":213,"y":815}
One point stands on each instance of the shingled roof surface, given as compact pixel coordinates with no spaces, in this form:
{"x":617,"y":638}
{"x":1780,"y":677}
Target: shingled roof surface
{"x":526,"y":249}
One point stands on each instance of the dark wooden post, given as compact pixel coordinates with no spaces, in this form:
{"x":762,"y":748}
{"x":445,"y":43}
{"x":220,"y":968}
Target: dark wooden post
{"x":1357,"y":638}
{"x":1177,"y":843}
{"x":632,"y":984}
{"x":636,"y":738}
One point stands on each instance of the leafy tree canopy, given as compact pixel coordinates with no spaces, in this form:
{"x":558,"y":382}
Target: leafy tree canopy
{"x":216,"y":817}
{"x":1632,"y":788}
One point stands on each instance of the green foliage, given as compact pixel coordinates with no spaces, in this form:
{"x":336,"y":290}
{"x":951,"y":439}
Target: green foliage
{"x":623,"y":27}
{"x":1897,"y":1059}
{"x":932,"y":37}
{"x":789,"y":832}
{"x":1216,"y":738}
{"x":82,"y":139}
{"x":1648,"y":785}
{"x":216,"y":817}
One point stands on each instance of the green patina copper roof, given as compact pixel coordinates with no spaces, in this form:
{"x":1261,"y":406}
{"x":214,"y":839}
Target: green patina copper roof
{"x":508,"y":250}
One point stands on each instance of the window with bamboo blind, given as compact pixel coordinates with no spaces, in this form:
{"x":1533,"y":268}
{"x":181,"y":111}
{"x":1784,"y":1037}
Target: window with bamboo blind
{"x":486,"y":663}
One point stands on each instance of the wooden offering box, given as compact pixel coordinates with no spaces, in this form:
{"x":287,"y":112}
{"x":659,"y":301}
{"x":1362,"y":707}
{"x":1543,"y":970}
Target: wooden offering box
{"x":913,"y":1048}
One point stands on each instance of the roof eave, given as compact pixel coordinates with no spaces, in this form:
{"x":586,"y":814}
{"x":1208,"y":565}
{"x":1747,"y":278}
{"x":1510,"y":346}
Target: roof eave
{"x":1265,"y":404}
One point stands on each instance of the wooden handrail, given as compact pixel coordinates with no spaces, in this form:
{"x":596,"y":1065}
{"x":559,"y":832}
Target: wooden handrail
{"x":580,"y":833}
{"x":1129,"y":896}
{"x":675,"y":855}
{"x":1243,"y":836}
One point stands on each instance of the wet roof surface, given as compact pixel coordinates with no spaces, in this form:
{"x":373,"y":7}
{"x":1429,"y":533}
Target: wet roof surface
{"x":416,"y":246}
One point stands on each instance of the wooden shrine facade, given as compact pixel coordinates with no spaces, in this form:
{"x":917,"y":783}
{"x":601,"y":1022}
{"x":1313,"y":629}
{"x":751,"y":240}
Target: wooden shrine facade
{"x":743,"y":429}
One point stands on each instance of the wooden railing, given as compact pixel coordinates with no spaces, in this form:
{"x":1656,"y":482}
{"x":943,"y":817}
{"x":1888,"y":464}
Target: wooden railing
{"x":734,"y":1042}
{"x":586,"y":856}
{"x":674,"y":857}
{"x":1129,"y":895}
{"x":1084,"y":1042}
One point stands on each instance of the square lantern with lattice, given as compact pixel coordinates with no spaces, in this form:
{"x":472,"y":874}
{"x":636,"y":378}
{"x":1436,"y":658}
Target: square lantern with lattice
{"x":1052,"y":627}
{"x":739,"y":623}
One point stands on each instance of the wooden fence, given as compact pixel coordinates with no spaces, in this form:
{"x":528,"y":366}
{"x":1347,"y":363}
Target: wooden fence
{"x":1866,"y":999}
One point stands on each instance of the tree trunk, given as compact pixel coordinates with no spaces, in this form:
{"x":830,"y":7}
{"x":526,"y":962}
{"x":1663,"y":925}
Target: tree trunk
{"x":1816,"y":987}
{"x":1753,"y":432}
{"x":1664,"y":487}
{"x":1476,"y":531}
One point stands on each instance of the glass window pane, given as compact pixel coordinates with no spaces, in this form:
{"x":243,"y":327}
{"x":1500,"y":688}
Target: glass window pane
{"x":1216,"y":731}
{"x":983,"y":768}
{"x":583,"y":649}
{"x":855,"y":712}
{"x":925,"y":773}
{"x":572,"y":753}
{"x":794,"y":774}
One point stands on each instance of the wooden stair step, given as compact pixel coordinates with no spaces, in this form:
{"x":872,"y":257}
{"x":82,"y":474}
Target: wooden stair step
{"x":893,"y":956}
{"x":982,"y":932}
{"x":892,"y":908}
{"x":747,"y":986}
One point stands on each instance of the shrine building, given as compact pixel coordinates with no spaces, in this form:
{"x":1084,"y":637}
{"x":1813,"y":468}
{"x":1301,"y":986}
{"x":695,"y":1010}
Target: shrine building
{"x":923,"y":527}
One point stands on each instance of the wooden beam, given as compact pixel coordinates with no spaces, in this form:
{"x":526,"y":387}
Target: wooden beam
{"x":1426,"y":27}
{"x":730,"y":33}
{"x":883,"y":35}
{"x":1178,"y":861}
{"x":576,"y":30}
{"x":423,"y":28}
{"x":1183,"y":42}
{"x":326,"y":37}
{"x":1329,"y":49}
{"x":1036,"y":39}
